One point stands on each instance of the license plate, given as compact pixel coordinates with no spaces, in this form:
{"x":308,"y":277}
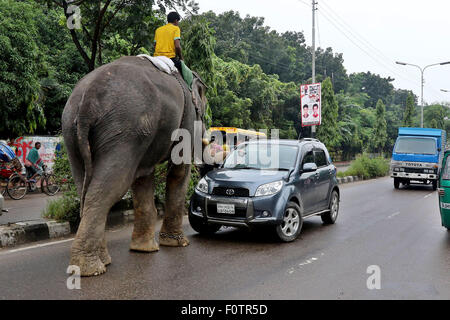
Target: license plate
{"x":445,"y":205}
{"x":225,"y":208}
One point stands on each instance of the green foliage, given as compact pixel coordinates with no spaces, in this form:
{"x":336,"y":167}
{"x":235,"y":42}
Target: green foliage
{"x":65,"y":208}
{"x":328,"y":132}
{"x":434,"y":116}
{"x":21,"y":111}
{"x":410,"y":111}
{"x":379,"y":136}
{"x":368,"y":168}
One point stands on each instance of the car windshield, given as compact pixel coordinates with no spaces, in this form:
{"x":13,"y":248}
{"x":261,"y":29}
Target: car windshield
{"x":263,"y":156}
{"x":446,"y":170}
{"x":416,"y":146}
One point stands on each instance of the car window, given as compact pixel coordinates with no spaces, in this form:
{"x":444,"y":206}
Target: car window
{"x":320,"y":158}
{"x":308,"y":158}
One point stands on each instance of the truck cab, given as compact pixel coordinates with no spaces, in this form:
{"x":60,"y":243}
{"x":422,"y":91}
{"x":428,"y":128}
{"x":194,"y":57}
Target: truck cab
{"x":417,"y":156}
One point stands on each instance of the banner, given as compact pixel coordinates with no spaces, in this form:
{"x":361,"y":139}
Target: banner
{"x":23,"y":145}
{"x":311,"y":104}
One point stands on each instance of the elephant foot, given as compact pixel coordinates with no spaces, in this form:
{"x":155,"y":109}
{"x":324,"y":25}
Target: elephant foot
{"x":105,"y":257}
{"x":173,"y":240}
{"x":89,"y":265}
{"x":144,"y":244}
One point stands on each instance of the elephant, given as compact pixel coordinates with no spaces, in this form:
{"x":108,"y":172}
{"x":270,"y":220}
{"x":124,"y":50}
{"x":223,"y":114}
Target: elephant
{"x":117,"y":126}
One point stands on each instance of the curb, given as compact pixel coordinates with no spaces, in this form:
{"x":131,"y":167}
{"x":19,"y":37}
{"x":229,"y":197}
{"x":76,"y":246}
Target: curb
{"x":25,"y":232}
{"x":349,"y":179}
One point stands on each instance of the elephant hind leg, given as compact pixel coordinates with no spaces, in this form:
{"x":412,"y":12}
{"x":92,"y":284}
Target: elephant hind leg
{"x":143,"y":238}
{"x":109,"y":183}
{"x":171,"y":234}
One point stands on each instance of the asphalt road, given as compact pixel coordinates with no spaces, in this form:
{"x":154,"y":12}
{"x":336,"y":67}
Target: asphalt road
{"x":27,"y":209}
{"x":397,"y":230}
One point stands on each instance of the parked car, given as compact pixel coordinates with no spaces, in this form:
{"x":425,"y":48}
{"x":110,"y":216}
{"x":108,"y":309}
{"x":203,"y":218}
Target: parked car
{"x":268,"y":182}
{"x":444,"y":191}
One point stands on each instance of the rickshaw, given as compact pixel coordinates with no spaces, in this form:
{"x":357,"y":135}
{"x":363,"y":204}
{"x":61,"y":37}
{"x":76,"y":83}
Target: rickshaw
{"x":444,"y":190}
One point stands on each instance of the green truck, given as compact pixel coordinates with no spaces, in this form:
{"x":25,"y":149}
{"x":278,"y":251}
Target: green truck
{"x":444,"y":190}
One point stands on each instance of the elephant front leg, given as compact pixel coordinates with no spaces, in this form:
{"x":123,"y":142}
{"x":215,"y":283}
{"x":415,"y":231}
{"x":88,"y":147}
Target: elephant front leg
{"x":171,"y":234}
{"x":143,"y":238}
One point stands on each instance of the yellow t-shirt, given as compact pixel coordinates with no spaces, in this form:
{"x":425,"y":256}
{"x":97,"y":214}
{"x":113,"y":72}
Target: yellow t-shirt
{"x":165,"y":40}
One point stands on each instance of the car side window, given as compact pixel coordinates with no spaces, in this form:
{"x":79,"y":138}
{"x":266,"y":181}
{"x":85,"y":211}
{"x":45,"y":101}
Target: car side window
{"x":320,"y":158}
{"x":308,"y":158}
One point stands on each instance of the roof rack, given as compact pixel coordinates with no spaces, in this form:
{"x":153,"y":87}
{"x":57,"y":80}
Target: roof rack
{"x":309,"y":139}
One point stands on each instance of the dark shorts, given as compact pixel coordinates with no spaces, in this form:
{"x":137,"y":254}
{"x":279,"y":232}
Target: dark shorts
{"x":177,"y":63}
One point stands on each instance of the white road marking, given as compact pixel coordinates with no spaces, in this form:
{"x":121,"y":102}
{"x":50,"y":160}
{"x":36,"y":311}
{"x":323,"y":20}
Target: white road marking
{"x":428,"y":195}
{"x":306,"y":262}
{"x":36,"y":246}
{"x":393,"y":215}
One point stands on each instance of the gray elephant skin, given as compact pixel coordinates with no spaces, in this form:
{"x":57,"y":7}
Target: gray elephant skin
{"x":117,"y":126}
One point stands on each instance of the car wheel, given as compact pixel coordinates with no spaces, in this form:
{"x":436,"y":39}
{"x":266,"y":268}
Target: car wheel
{"x":202,"y":227}
{"x":292,"y":223}
{"x":330,"y":217}
{"x":435,"y":183}
{"x":396,"y":183}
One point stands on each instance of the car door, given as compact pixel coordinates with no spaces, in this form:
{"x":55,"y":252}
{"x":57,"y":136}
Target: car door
{"x":307,"y":181}
{"x":323,"y":178}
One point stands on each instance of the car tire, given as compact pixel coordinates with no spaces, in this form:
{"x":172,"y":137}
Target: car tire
{"x":330,"y":217}
{"x":435,"y":185}
{"x":292,"y":223}
{"x":396,"y":183}
{"x":202,"y":227}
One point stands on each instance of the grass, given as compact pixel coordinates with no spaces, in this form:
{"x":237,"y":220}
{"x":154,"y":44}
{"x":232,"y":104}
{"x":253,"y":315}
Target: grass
{"x":367,"y":168}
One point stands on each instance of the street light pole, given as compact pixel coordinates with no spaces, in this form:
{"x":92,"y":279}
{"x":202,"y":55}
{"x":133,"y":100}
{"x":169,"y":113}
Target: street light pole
{"x":422,"y":80}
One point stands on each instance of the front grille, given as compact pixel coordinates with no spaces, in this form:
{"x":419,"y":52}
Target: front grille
{"x":239,"y":212}
{"x":413,"y":170}
{"x":236,"y":192}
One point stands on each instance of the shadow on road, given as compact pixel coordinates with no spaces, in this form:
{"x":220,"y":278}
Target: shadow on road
{"x":261,"y":235}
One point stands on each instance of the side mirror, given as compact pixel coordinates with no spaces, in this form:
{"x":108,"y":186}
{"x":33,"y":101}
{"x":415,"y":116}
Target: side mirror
{"x":309,"y":167}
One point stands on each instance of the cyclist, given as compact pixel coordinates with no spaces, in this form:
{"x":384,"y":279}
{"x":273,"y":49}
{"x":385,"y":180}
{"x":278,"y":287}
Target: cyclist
{"x":33,"y":162}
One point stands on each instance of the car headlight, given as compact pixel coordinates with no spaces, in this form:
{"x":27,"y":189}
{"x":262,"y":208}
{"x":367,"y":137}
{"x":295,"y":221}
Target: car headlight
{"x":269,"y":189}
{"x":202,"y":186}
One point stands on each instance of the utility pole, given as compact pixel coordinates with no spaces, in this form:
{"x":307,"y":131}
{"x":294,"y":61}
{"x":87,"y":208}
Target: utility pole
{"x":314,"y":9}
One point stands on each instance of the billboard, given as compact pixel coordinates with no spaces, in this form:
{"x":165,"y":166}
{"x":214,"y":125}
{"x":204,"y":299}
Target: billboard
{"x":311,"y":104}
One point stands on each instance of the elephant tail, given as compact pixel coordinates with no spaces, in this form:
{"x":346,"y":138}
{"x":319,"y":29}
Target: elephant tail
{"x":83,"y":129}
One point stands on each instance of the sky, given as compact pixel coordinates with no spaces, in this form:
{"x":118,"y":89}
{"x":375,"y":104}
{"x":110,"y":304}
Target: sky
{"x":372,"y":35}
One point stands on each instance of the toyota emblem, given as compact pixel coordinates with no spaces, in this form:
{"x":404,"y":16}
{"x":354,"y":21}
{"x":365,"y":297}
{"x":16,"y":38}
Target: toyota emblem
{"x":230,"y":192}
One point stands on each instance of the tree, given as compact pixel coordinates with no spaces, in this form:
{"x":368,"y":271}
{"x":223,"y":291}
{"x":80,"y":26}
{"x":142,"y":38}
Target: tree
{"x":328,"y":132}
{"x":434,"y":116}
{"x":373,"y":85}
{"x":21,"y":62}
{"x":107,"y":17}
{"x":380,"y":133}
{"x":410,"y":112}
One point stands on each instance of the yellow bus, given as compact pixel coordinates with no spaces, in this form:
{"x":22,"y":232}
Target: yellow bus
{"x":234,"y":136}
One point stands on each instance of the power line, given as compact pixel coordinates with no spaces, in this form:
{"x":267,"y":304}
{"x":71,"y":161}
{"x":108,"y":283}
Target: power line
{"x":335,"y":17}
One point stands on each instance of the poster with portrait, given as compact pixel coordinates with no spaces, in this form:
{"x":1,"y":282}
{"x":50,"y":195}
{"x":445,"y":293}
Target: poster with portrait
{"x":311,"y":104}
